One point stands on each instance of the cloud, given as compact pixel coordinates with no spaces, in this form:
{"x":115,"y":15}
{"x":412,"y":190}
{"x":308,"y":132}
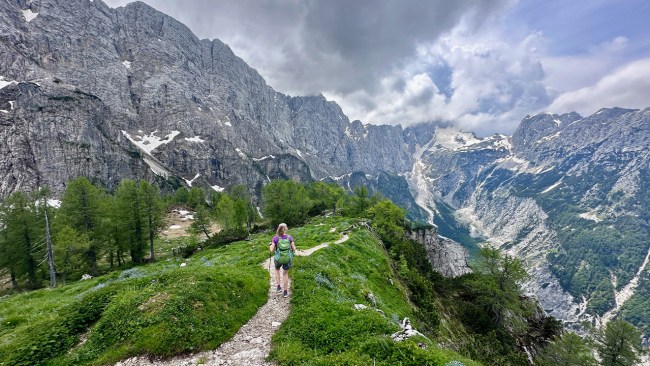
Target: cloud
{"x":626,"y":87}
{"x":336,"y":46}
{"x":488,"y":84}
{"x":565,"y":73}
{"x":481,"y":65}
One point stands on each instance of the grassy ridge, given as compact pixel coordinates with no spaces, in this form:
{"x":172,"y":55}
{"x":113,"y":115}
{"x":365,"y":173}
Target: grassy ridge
{"x":323,"y":327}
{"x":160,"y":309}
{"x":164,"y":309}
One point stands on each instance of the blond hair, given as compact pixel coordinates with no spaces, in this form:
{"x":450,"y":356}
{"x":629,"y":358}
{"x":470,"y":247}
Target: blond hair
{"x":282,"y":229}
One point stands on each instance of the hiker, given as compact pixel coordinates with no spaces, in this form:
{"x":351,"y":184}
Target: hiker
{"x":283,"y":246}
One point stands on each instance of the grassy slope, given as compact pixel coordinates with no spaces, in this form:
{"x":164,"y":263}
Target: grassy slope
{"x":324,"y":329}
{"x":163,"y":309}
{"x":159,"y":309}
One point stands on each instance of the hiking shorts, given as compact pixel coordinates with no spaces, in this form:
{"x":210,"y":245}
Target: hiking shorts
{"x":284,"y":266}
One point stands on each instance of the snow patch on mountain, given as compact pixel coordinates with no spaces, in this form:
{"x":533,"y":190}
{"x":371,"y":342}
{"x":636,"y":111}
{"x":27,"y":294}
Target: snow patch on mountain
{"x":29,"y":15}
{"x":156,"y":167}
{"x":549,"y":137}
{"x":4,"y":82}
{"x":552,"y":187}
{"x":149,"y":143}
{"x":512,"y":163}
{"x":241,"y":154}
{"x":453,"y":139}
{"x":356,"y":136}
{"x":189,"y":182}
{"x":197,"y":139}
{"x":264,"y":158}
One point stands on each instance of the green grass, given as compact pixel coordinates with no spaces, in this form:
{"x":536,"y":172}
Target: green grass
{"x":323,"y":327}
{"x":163,"y":309}
{"x":159,"y":309}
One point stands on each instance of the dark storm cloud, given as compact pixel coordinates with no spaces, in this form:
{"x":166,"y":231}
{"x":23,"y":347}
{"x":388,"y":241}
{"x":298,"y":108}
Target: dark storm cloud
{"x":337,"y":46}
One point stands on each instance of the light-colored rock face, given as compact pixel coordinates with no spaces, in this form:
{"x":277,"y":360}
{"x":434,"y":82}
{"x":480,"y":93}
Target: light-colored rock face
{"x":446,"y":256}
{"x":136,"y":70}
{"x":525,"y":192}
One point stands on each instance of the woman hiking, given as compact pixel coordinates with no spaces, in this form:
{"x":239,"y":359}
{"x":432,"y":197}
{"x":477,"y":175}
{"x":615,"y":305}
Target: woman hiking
{"x":283,"y":246}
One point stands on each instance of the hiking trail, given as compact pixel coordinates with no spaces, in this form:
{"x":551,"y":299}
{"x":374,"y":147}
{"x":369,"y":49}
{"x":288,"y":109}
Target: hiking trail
{"x":252,"y":343}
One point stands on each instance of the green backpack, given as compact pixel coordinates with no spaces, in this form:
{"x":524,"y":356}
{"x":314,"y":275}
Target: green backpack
{"x":283,"y":254}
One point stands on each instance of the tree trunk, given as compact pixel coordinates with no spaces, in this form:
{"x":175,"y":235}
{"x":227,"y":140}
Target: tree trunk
{"x":205,"y":231}
{"x":92,"y":258}
{"x":14,"y":283}
{"x":31,"y":265}
{"x":50,"y":254}
{"x":152,"y":233}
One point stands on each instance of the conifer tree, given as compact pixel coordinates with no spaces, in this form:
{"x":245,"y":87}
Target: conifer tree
{"x":131,"y":218}
{"x":245,"y":211}
{"x":196,"y":196}
{"x":618,"y":344}
{"x":568,"y":350}
{"x":286,"y":201}
{"x":69,"y":249}
{"x":80,"y":210}
{"x":224,"y":211}
{"x":202,"y":221}
{"x":153,"y":213}
{"x":23,"y":238}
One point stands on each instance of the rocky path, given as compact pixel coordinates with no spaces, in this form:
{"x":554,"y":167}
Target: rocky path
{"x":252,"y":343}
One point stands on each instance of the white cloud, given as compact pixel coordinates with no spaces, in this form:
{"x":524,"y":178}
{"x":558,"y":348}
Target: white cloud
{"x":490,"y":86}
{"x":627,"y":87}
{"x":565,"y":73}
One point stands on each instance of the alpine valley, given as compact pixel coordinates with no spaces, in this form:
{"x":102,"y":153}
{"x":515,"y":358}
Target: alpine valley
{"x":88,"y":90}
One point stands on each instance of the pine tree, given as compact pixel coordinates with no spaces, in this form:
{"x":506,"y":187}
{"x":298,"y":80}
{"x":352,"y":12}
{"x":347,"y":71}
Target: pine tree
{"x":43,"y":195}
{"x":568,"y":350}
{"x":239,"y":214}
{"x":110,"y":231}
{"x":23,"y":237}
{"x":286,"y":201}
{"x":80,"y":209}
{"x":618,"y":344}
{"x":224,"y":211}
{"x":69,"y":249}
{"x":202,"y":221}
{"x":196,"y":196}
{"x":498,"y":288}
{"x":131,"y":218}
{"x":244,"y":210}
{"x":153,"y":213}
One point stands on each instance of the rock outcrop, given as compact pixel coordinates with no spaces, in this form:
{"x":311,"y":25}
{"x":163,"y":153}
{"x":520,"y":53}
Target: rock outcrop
{"x":445,"y":255}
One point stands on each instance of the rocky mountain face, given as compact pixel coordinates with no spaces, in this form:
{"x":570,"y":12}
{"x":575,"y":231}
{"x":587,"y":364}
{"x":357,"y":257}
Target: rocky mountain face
{"x":567,"y":194}
{"x":446,"y":256}
{"x":131,"y":93}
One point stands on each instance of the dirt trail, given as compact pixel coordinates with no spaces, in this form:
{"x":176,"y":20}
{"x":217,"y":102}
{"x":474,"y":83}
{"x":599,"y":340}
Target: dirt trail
{"x":252,"y":343}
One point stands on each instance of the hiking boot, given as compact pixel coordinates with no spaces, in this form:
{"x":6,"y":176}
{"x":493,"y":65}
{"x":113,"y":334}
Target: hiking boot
{"x":278,"y":289}
{"x":285,"y":294}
